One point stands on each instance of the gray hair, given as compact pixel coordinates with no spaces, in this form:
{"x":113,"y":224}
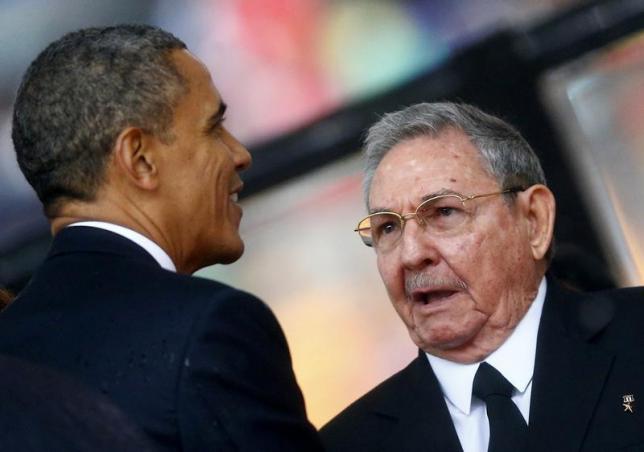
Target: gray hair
{"x":506,"y":155}
{"x":80,"y":93}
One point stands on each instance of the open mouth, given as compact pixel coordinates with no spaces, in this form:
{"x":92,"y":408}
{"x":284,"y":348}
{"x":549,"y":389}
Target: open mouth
{"x":234,"y":194}
{"x":433,"y":296}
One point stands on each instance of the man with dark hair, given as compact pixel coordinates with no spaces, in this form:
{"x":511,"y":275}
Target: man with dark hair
{"x":120,"y":131}
{"x":461,"y":221}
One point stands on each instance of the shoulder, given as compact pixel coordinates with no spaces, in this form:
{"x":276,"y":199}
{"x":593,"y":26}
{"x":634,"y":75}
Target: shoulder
{"x":358,"y":427}
{"x":626,"y":307}
{"x":201,"y":293}
{"x":211,"y":306}
{"x":223,"y":299}
{"x":236,"y":372}
{"x":612,"y":318}
{"x":616,"y":305}
{"x":627,"y":295}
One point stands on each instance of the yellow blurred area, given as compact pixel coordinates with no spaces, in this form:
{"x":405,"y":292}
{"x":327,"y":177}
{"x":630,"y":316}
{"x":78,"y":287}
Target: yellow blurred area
{"x":336,"y":349}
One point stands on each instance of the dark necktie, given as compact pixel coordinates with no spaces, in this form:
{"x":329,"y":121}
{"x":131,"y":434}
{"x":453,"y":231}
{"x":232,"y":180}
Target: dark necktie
{"x":508,"y":429}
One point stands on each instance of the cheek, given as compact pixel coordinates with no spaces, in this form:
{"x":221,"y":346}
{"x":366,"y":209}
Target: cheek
{"x":489,"y":261}
{"x":474,"y":258}
{"x":490,"y":242}
{"x":218,"y":177}
{"x":465,"y":254}
{"x":392,"y":275}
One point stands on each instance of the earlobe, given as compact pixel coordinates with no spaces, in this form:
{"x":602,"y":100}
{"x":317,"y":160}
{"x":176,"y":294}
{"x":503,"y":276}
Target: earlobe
{"x":539,"y":208}
{"x":135,"y":158}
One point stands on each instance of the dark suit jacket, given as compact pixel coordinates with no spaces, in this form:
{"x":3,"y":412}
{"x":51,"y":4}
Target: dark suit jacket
{"x":43,"y":410}
{"x":590,"y":354}
{"x":198,"y":365}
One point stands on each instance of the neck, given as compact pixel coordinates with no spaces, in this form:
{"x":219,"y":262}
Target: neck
{"x":128,"y":215}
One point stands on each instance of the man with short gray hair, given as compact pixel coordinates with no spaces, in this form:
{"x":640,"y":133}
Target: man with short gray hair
{"x":461,"y":221}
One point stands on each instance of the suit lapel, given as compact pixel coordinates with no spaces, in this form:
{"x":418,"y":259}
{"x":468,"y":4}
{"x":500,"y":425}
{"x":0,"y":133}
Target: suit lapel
{"x":569,"y":373}
{"x":422,"y":418}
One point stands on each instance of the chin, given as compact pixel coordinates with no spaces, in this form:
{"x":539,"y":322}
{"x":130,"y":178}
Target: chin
{"x":437,"y":338}
{"x":231,"y":252}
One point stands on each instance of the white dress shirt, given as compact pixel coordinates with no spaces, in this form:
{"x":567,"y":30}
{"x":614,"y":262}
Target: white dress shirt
{"x":148,"y":245}
{"x":514,"y":359}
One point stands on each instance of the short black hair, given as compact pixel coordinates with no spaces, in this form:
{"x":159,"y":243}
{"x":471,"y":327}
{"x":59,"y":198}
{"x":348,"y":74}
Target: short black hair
{"x":79,"y":94}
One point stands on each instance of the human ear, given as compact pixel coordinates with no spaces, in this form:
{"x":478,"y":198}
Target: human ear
{"x":135,"y":158}
{"x":538,"y":206}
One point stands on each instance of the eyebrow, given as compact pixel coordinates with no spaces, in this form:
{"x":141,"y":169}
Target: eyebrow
{"x":217,"y":118}
{"x":441,"y":192}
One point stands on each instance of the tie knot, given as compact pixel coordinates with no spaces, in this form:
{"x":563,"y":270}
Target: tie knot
{"x":488,"y":381}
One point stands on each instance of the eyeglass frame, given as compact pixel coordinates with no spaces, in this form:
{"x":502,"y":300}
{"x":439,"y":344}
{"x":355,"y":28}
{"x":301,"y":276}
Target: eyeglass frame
{"x":407,"y":216}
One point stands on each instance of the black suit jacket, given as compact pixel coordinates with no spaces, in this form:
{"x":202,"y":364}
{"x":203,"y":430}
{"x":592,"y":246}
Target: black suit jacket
{"x":198,"y":365}
{"x":590,"y":354}
{"x":43,"y":410}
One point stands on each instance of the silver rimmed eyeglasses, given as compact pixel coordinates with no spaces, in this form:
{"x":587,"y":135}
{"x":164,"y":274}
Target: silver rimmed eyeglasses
{"x":442,"y":214}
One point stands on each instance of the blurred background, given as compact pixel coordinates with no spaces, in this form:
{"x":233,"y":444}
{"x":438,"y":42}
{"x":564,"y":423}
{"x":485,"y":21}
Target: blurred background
{"x":305,"y":78}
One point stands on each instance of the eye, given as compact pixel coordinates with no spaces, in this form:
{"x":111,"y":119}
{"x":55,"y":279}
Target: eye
{"x":217,"y":128}
{"x":387,"y":228}
{"x":445,"y":211}
{"x":383,"y":225}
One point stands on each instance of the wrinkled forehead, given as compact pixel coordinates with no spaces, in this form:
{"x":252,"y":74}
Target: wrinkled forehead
{"x":424,"y":165}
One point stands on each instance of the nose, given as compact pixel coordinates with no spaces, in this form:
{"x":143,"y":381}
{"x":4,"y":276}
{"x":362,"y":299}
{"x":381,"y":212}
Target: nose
{"x":239,"y":153}
{"x":417,"y":248}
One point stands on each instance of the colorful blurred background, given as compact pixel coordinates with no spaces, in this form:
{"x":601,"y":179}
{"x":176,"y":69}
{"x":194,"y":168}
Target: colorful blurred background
{"x":303,"y":80}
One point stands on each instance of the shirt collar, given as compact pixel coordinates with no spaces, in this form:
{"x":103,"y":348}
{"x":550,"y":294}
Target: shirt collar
{"x":148,"y":245}
{"x":514,"y":359}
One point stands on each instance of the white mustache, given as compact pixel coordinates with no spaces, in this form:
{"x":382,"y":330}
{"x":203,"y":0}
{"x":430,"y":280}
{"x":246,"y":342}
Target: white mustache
{"x":415,"y":281}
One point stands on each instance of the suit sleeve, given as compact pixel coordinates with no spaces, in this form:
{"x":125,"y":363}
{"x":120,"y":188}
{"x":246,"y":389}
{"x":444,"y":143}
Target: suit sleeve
{"x":237,"y":390}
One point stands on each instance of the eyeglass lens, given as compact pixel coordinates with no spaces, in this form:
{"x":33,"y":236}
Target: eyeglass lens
{"x":439,"y":215}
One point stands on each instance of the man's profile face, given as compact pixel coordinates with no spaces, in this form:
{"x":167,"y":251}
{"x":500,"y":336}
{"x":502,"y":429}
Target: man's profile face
{"x":200,"y":177}
{"x":467,"y":286}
